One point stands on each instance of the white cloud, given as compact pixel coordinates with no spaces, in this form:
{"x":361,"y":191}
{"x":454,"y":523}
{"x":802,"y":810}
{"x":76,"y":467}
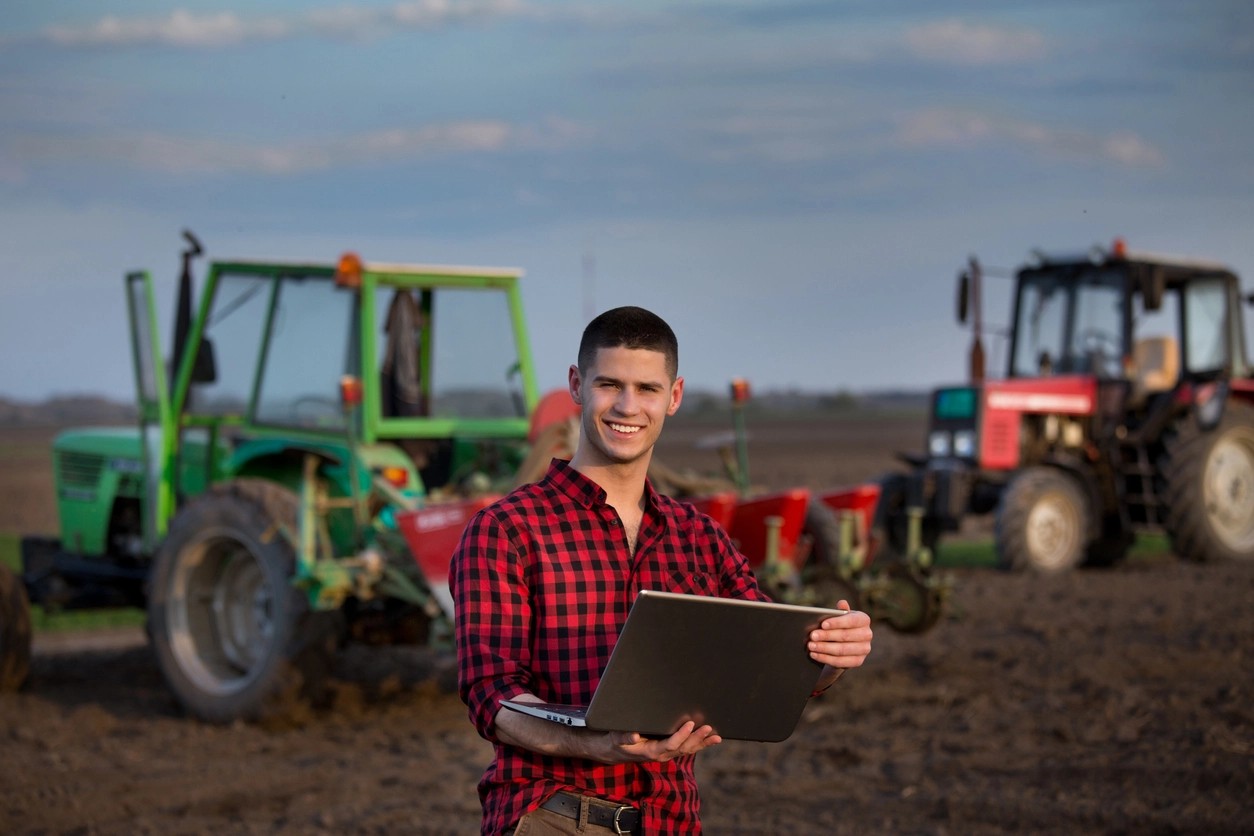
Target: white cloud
{"x":939,"y":127}
{"x":956,"y":42}
{"x":179,"y":28}
{"x":436,"y":12}
{"x":185,"y":156}
{"x":182,"y":28}
{"x":1131,"y":150}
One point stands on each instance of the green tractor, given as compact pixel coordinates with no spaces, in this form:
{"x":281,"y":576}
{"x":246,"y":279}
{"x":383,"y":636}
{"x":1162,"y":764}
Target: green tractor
{"x":299,"y":476}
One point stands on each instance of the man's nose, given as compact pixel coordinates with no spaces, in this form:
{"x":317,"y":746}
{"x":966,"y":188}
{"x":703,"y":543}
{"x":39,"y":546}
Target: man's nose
{"x":627,"y":401}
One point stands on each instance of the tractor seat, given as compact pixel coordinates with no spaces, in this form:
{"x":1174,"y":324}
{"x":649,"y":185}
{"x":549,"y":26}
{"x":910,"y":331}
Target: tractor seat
{"x":1157,"y":367}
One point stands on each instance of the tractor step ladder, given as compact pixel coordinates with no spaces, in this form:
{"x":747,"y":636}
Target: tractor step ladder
{"x":1141,"y":507}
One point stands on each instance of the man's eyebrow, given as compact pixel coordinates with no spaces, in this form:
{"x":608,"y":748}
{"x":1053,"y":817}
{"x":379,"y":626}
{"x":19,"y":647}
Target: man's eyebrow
{"x":605,"y":378}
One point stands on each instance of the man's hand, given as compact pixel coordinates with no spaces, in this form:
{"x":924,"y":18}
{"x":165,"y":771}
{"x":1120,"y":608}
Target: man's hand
{"x":605,"y":747}
{"x":840,"y":643}
{"x":690,"y":739}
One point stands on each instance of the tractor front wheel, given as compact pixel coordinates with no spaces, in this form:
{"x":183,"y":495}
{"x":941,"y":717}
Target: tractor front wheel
{"x":234,"y":638}
{"x":1042,"y":522}
{"x":15,"y":635}
{"x":1210,"y":487}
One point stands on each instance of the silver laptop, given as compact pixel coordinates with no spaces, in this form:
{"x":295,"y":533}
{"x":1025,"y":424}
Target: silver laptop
{"x":740,"y":666}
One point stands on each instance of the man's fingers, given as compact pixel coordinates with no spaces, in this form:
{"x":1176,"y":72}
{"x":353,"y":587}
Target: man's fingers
{"x":843,"y":641}
{"x":688,"y":740}
{"x":676,"y":740}
{"x":691,"y":739}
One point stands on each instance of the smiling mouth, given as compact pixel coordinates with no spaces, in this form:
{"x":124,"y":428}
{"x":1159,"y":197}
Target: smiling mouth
{"x":623,"y":428}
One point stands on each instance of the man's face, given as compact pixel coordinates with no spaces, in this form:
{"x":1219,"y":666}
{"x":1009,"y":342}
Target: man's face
{"x":625,"y":398}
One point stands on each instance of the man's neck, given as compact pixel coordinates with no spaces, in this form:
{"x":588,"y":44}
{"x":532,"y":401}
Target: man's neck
{"x":623,"y":483}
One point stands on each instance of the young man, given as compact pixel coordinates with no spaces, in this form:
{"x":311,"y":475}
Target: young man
{"x":543,"y":581}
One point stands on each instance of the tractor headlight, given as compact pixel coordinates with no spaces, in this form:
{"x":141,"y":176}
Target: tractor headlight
{"x":964,"y":444}
{"x":939,"y":443}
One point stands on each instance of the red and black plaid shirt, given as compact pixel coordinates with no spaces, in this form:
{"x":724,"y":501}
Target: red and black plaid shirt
{"x":543,"y":581}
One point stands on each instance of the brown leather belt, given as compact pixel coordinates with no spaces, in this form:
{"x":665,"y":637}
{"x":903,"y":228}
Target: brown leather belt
{"x":618,"y":818}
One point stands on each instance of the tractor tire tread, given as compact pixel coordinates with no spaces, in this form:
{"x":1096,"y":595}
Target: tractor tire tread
{"x":1183,"y":465}
{"x":1016,"y":506}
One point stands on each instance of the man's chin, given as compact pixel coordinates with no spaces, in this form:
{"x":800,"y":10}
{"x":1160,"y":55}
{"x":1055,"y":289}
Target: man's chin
{"x":622,"y":453}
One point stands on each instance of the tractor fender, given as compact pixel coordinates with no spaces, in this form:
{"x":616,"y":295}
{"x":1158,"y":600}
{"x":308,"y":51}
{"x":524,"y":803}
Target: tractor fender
{"x":1209,"y":401}
{"x":250,"y":451}
{"x":1208,"y":404}
{"x":281,"y":460}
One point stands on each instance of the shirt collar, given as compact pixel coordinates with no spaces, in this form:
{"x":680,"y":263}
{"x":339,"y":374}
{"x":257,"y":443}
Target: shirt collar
{"x":588,"y":493}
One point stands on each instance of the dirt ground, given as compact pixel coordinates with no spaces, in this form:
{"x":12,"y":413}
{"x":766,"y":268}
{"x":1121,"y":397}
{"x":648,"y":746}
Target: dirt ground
{"x":1116,"y":701}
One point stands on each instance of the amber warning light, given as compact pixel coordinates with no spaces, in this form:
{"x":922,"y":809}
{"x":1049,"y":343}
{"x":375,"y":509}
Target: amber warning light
{"x":739,"y":390}
{"x":348,"y":271}
{"x":350,"y":390}
{"x":396,"y":476}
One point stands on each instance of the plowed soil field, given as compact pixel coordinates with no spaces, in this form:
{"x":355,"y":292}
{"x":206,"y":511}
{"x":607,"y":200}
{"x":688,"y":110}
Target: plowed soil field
{"x":1117,"y":701}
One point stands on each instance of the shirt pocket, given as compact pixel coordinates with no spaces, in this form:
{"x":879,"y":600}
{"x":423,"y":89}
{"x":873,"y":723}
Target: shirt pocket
{"x":692,"y":583}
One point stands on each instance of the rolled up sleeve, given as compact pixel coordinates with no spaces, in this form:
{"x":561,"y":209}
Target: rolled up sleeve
{"x":493,"y":617}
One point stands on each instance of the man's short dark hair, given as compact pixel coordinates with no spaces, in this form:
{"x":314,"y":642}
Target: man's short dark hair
{"x":629,"y":327}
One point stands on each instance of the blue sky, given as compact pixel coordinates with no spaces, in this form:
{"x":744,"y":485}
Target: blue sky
{"x":794,"y":185}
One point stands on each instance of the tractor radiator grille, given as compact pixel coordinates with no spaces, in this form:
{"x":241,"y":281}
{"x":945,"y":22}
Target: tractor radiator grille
{"x":80,"y":469}
{"x":1001,"y":441}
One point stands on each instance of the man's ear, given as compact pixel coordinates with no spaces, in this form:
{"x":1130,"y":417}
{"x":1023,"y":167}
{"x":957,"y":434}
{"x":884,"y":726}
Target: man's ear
{"x":677,"y":395}
{"x":573,"y":382}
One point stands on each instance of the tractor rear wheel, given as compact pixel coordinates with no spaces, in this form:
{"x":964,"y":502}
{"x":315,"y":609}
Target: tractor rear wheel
{"x":234,"y":638}
{"x":15,"y":635}
{"x":1042,"y":522}
{"x":1210,"y":487}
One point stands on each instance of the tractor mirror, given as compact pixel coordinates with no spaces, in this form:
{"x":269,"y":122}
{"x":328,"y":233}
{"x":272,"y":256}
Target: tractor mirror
{"x":205,"y":369}
{"x":1153,"y":286}
{"x":964,"y":295}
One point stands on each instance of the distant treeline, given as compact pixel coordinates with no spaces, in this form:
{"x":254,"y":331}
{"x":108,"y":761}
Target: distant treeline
{"x":796,"y":400}
{"x":70,"y":410}
{"x":66,"y":410}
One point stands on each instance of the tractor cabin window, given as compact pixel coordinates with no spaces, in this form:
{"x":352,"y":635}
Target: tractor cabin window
{"x":447,"y":353}
{"x":1205,"y":326}
{"x":311,"y":346}
{"x":1069,"y":323}
{"x":235,"y":326}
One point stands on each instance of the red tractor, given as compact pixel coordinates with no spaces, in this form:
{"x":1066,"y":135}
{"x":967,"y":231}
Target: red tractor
{"x":1127,"y":407}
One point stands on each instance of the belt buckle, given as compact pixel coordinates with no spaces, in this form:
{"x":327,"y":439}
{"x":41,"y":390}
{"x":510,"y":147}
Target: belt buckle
{"x":618,"y":811}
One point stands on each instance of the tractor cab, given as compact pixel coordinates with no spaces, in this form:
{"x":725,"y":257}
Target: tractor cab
{"x":421,"y":373}
{"x":1146,"y":320}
